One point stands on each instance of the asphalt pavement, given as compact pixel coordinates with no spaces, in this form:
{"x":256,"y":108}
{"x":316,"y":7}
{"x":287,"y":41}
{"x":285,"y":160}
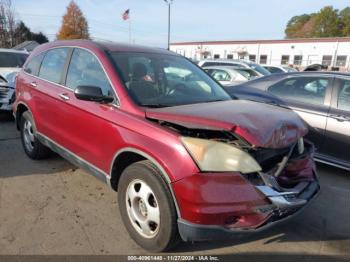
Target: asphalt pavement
{"x":50,"y":207}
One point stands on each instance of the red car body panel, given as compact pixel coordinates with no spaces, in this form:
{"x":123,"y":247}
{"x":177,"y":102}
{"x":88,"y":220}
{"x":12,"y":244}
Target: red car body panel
{"x":97,"y":132}
{"x":251,"y":121}
{"x":201,"y":199}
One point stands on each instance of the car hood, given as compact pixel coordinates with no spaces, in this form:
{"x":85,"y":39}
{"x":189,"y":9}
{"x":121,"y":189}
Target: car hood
{"x":259,"y":124}
{"x":9,"y":74}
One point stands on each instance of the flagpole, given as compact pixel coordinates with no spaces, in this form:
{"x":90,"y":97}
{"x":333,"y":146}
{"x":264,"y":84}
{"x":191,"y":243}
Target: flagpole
{"x":168,"y":2}
{"x":129,"y":31}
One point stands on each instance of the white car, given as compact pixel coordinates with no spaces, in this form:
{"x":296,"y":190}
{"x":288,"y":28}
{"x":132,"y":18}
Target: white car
{"x":11,"y":62}
{"x":277,"y":69}
{"x":228,"y":75}
{"x":234,"y":63}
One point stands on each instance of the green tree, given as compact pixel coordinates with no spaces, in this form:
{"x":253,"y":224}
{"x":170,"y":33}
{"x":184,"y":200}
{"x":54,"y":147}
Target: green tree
{"x":40,"y":38}
{"x":295,"y":25}
{"x":74,"y":24}
{"x":327,"y":23}
{"x":22,"y":33}
{"x":344,"y":17}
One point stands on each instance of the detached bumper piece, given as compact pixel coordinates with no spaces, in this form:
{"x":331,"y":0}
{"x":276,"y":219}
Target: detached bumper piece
{"x":284,"y":206}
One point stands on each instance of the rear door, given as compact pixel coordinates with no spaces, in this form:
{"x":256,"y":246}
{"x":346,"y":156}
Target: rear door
{"x":309,"y":96}
{"x":45,"y":73}
{"x":338,"y":126}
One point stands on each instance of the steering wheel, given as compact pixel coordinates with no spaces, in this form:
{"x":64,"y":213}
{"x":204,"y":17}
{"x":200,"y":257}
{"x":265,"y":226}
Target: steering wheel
{"x":182,"y":88}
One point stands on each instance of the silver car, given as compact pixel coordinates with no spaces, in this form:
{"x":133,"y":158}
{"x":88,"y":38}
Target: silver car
{"x":235,"y":63}
{"x":11,"y":62}
{"x":228,"y":75}
{"x":277,"y":69}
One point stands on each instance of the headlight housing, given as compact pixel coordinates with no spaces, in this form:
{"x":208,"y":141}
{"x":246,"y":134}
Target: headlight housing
{"x":219,"y":157}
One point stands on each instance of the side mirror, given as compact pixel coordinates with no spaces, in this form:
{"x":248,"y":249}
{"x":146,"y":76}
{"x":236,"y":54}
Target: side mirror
{"x":92,"y":93}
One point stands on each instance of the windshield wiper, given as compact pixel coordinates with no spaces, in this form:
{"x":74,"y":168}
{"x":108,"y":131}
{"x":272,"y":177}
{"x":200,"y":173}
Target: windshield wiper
{"x":155,"y":105}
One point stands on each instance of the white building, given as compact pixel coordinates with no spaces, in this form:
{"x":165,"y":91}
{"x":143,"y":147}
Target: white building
{"x":333,"y":52}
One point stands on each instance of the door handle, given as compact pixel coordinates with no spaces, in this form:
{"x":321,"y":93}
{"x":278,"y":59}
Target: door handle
{"x":33,"y":84}
{"x":64,"y":97}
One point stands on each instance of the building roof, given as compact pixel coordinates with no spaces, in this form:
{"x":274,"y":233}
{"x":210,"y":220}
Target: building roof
{"x":276,"y":41}
{"x":26,"y":45}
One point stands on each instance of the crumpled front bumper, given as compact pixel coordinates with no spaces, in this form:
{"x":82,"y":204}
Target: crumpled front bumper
{"x":283,"y":207}
{"x":221,"y":205}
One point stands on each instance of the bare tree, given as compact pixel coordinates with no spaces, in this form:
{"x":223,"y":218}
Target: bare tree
{"x":7,"y":23}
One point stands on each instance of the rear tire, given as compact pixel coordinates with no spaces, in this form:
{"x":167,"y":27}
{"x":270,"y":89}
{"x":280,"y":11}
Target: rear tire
{"x":147,"y":208}
{"x":31,"y":144}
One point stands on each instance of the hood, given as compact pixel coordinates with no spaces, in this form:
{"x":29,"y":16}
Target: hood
{"x":9,"y":74}
{"x":259,"y":124}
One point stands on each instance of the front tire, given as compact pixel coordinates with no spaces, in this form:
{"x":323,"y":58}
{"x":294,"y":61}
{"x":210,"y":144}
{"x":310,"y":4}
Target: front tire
{"x":32,"y":146}
{"x":147,"y":208}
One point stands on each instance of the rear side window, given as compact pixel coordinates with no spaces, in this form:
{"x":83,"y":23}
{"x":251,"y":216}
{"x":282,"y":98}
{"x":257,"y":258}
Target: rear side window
{"x":33,"y":65}
{"x":303,"y":89}
{"x":344,"y":95}
{"x":85,"y":69}
{"x":53,"y":63}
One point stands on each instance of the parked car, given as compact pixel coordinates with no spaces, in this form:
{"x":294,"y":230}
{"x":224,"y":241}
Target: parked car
{"x":322,"y":99}
{"x":186,"y":159}
{"x":11,"y":62}
{"x":228,"y":75}
{"x":316,"y":67}
{"x":274,"y":69}
{"x":236,"y":63}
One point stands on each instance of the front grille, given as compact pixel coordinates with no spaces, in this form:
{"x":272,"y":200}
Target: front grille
{"x":269,"y":158}
{"x":4,"y":92}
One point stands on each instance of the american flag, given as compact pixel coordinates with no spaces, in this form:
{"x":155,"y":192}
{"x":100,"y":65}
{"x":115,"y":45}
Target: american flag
{"x":126,"y":14}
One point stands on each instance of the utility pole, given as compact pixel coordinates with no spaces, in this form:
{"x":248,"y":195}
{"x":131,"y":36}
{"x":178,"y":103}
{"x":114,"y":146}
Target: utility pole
{"x":168,"y":2}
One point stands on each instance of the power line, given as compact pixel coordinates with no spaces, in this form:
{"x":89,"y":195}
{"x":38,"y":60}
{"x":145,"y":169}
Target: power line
{"x":125,"y":29}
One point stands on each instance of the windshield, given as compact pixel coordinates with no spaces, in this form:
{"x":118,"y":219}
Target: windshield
{"x":260,"y":69}
{"x":290,"y":69}
{"x":8,"y":59}
{"x":247,"y":73}
{"x":158,"y":80}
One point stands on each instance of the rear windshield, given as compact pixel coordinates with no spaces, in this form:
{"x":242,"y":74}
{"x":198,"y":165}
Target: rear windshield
{"x":260,"y":69}
{"x":8,"y":59}
{"x":247,"y":73}
{"x":160,"y":80}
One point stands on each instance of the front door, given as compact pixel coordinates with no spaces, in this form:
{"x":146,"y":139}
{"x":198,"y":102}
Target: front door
{"x":308,"y":96}
{"x":338,"y":125}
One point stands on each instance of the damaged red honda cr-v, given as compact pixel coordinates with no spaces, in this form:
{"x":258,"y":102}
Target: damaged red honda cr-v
{"x":186,"y":159}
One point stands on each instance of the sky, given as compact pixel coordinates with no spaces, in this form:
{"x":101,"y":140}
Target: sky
{"x":191,"y":20}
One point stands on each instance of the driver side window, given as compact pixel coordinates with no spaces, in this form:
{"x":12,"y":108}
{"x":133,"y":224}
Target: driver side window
{"x":85,"y":69}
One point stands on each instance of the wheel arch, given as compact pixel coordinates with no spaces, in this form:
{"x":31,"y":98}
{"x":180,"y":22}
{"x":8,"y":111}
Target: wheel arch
{"x":20,"y":109}
{"x":129,"y":155}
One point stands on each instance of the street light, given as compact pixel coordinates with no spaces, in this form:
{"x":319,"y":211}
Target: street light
{"x":168,"y":2}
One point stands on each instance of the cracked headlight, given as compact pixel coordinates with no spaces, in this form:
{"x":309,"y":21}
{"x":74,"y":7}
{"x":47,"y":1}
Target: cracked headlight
{"x":219,"y":157}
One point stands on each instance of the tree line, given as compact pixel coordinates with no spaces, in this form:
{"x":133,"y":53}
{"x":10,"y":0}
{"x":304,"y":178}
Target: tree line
{"x":12,"y":31}
{"x":328,"y":22}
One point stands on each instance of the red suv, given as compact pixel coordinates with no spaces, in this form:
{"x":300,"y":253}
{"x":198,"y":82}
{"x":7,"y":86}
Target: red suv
{"x":187,"y":160}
